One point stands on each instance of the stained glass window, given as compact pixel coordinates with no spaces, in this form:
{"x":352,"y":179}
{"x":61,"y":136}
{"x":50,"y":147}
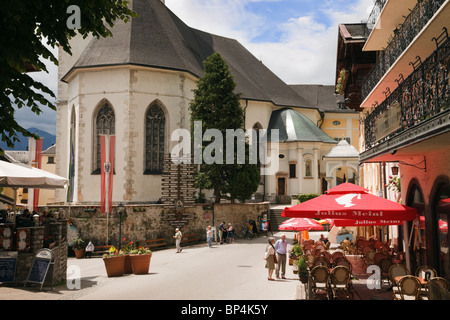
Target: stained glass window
{"x":155,"y":137}
{"x":104,"y":124}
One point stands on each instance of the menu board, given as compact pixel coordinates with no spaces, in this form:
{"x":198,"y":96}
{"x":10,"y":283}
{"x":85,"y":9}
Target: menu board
{"x":8,"y":263}
{"x":40,"y":267}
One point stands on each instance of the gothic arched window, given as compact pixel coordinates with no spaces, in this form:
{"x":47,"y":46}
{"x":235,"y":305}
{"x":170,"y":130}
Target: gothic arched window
{"x":155,"y":131}
{"x":104,"y":124}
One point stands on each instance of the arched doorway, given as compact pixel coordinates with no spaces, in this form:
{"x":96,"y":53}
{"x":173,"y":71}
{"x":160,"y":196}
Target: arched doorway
{"x":440,"y":207}
{"x":417,"y":240}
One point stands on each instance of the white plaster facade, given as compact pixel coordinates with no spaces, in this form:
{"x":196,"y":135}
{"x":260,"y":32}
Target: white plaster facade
{"x":130,"y":89}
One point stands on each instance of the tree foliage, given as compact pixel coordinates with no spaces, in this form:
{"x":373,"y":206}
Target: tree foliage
{"x":218,"y":107}
{"x":26,"y":28}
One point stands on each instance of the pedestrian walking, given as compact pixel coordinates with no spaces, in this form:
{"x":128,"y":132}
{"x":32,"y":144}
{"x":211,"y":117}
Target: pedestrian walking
{"x":270,"y":258}
{"x":281,"y":252}
{"x":178,"y":236}
{"x":209,"y":236}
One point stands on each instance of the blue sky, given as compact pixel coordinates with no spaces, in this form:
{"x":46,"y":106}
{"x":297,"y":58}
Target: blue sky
{"x":296,"y":39}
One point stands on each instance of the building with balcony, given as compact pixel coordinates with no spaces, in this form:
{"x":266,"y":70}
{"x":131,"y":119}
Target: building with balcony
{"x":405,"y":118}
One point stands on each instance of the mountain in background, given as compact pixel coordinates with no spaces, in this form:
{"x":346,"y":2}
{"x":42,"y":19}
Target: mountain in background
{"x":22,"y":144}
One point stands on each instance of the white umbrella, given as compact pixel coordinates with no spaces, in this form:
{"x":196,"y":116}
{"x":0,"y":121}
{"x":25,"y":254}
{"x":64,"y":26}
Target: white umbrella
{"x":18,"y":175}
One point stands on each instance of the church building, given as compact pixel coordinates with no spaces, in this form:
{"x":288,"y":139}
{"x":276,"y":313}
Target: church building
{"x":137,"y":86}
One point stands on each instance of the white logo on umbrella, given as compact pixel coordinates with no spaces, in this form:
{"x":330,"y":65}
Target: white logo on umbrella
{"x":346,"y":200}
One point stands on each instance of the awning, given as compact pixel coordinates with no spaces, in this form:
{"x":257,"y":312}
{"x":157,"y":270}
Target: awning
{"x":349,"y":201}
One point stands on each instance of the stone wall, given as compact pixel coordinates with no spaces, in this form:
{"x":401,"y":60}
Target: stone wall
{"x":147,"y":222}
{"x":58,"y":230}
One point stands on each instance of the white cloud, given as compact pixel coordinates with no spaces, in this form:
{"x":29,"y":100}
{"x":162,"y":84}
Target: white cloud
{"x":305,"y":51}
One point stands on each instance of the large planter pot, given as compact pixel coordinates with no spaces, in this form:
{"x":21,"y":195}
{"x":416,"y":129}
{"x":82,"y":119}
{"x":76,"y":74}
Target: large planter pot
{"x":303,"y":279}
{"x":114,"y":266}
{"x":128,"y":268}
{"x":140,"y":263}
{"x":79,"y":253}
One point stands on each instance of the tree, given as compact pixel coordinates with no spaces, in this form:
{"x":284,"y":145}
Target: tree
{"x":26,"y":27}
{"x":218,"y":107}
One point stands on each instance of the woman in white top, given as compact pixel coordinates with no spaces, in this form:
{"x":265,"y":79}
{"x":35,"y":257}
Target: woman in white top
{"x":209,"y":236}
{"x":269,"y":257}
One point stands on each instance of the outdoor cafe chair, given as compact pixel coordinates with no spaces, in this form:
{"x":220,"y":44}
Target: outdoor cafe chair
{"x":337,"y":254}
{"x":368,"y":258}
{"x":378,"y":256}
{"x":384,"y":248}
{"x":310,"y":259}
{"x":426,"y":273}
{"x":325,"y":254}
{"x":385,"y":264}
{"x":320,"y":247}
{"x":378,"y":244}
{"x":340,"y":282}
{"x":422,"y":272}
{"x":409,"y":288}
{"x":436,"y":289}
{"x":343,"y":262}
{"x":397,"y":270}
{"x":322,"y":261}
{"x":320,"y":276}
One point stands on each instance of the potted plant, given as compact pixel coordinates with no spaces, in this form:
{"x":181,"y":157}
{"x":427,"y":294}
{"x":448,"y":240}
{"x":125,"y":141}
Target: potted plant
{"x":140,"y":260}
{"x":126,"y":249}
{"x":79,"y":246}
{"x":114,"y":262}
{"x":302,"y":269}
{"x":295,"y":252}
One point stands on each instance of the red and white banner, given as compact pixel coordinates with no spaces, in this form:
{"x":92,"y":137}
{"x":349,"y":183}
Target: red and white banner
{"x":107,"y":143}
{"x":38,"y":164}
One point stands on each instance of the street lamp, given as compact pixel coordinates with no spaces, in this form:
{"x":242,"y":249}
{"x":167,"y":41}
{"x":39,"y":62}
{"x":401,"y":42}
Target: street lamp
{"x":120,"y":224}
{"x":213,"y":200}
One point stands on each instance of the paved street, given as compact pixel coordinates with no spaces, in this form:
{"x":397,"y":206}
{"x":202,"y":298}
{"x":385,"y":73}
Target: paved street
{"x":224,"y":272}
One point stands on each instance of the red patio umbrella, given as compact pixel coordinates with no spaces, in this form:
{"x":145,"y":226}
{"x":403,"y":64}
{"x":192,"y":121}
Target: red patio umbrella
{"x":349,"y":201}
{"x":300,"y":224}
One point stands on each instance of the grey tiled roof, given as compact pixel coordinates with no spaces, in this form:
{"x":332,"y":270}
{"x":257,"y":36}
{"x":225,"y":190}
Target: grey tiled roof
{"x":294,"y":126}
{"x":322,"y":97}
{"x":158,"y":38}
